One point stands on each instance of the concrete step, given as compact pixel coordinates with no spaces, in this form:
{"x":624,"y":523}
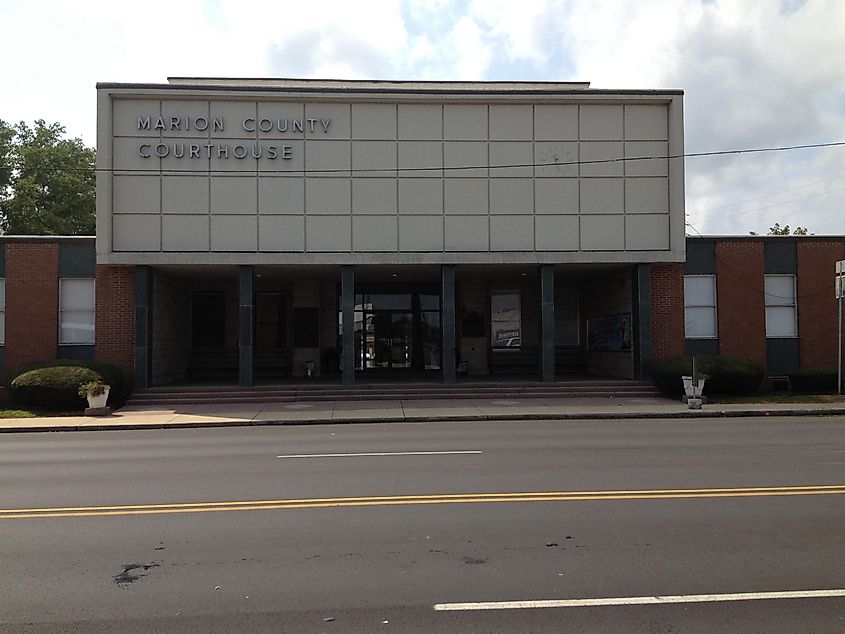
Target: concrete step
{"x":421,"y":391}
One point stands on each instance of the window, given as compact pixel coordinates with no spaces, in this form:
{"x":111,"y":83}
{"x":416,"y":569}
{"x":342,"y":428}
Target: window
{"x":700,"y":306}
{"x":76,"y":311}
{"x":781,"y":314}
{"x":506,"y":319}
{"x":2,"y":312}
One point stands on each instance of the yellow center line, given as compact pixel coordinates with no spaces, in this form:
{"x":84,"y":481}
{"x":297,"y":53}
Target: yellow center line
{"x":449,"y":498}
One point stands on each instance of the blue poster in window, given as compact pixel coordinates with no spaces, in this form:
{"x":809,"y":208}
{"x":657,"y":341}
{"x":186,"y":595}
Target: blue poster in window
{"x":612,"y":332}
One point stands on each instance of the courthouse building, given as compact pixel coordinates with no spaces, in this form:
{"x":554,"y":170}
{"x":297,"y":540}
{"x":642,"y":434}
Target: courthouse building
{"x":286,"y":227}
{"x":257,"y":230}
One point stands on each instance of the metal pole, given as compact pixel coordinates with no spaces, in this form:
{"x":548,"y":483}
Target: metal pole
{"x":839,"y":364}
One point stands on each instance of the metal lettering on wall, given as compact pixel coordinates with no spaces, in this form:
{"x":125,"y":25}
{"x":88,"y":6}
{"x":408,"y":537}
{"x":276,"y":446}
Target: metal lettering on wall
{"x":271,"y":151}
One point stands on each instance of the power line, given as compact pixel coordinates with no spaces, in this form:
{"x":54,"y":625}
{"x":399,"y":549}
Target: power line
{"x":397,"y":170}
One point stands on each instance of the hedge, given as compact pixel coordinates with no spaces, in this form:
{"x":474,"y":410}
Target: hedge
{"x":819,"y":380}
{"x":54,"y":384}
{"x":725,"y":374}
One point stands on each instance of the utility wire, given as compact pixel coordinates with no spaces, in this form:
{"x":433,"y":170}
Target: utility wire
{"x":391,"y":170}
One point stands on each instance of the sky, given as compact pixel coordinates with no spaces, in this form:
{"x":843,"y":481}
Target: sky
{"x":755,"y":73}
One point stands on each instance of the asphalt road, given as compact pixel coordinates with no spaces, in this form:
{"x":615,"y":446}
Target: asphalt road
{"x":211,"y":530}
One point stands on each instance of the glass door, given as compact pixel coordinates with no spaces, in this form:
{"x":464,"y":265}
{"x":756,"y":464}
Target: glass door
{"x":388,"y":339}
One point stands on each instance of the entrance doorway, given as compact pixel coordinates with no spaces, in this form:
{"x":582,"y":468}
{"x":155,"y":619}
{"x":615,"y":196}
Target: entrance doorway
{"x":397,"y":329}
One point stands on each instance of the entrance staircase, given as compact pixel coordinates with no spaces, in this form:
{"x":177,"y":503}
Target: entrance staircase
{"x":320,"y":392}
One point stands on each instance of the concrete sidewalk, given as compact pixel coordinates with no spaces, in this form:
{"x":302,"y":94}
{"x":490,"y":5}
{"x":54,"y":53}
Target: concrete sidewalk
{"x":185,"y":416}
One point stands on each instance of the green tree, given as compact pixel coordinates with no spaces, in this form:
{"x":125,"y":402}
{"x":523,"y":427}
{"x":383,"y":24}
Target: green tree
{"x":47,"y":182}
{"x":777,"y":230}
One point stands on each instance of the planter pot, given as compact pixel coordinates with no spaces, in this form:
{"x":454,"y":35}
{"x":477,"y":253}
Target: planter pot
{"x":693,"y":391}
{"x":99,"y":400}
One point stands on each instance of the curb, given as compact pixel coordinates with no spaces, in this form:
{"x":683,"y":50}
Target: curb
{"x":462,"y":418}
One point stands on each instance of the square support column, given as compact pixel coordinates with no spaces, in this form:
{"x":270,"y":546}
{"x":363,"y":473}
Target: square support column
{"x":448,"y":338}
{"x":347,"y":302}
{"x":547,"y":323}
{"x":143,"y":326}
{"x":641,"y":318}
{"x":246,"y":325}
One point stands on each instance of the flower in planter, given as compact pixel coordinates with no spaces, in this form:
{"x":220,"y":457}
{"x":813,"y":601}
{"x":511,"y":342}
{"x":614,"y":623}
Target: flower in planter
{"x":92,"y":388}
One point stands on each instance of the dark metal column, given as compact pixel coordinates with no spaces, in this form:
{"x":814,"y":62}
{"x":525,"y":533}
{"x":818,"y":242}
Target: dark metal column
{"x":246,"y":324}
{"x":143,"y":326}
{"x":447,"y":322}
{"x":641,"y":318}
{"x":547,"y":323}
{"x":347,"y":301}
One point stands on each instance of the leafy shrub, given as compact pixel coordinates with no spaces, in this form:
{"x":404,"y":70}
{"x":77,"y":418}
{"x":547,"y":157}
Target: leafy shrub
{"x":817,"y":380}
{"x":725,"y":374}
{"x":109,"y":374}
{"x":52,"y":388}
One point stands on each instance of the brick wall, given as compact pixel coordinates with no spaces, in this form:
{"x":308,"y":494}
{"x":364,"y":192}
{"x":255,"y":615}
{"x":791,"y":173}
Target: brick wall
{"x":667,"y":311}
{"x":740,"y":302}
{"x":817,"y":306}
{"x":32,"y":303}
{"x":115,"y":318}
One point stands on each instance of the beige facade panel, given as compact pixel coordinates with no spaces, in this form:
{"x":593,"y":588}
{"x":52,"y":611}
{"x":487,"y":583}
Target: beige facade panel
{"x":469,"y":159}
{"x":227,"y":157}
{"x":328,"y":234}
{"x":374,"y":159}
{"x":136,"y":232}
{"x":328,"y":196}
{"x":467,"y":233}
{"x":234,"y":233}
{"x":420,"y":122}
{"x":127,"y":156}
{"x":464,"y":122}
{"x":602,"y":233}
{"x":281,"y":234}
{"x":233,"y":114}
{"x":126,"y":113}
{"x":601,"y":123}
{"x":374,"y":196}
{"x":338,"y":113}
{"x":650,"y":166}
{"x":274,"y":120}
{"x":373,"y":121}
{"x":466,"y":196}
{"x":512,"y":196}
{"x":512,"y":233}
{"x":420,"y":234}
{"x":420,"y":159}
{"x":184,"y":233}
{"x":647,"y":195}
{"x":375,"y":234}
{"x":505,"y":156}
{"x":511,"y":123}
{"x":556,"y":196}
{"x":555,"y":123}
{"x":556,"y":233}
{"x":647,"y":123}
{"x":647,"y":232}
{"x":136,"y":194}
{"x":420,"y":196}
{"x":183,"y":155}
{"x":234,"y":195}
{"x":602,"y":196}
{"x":281,"y":195}
{"x":181,"y":117}
{"x":553,"y":159}
{"x":602,"y":158}
{"x":184,"y":195}
{"x":291,"y":148}
{"x":328,"y":158}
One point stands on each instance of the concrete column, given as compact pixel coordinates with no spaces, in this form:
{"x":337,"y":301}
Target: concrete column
{"x":447,"y":321}
{"x":641,"y":320}
{"x":547,"y":323}
{"x":246,"y":324}
{"x":347,"y":302}
{"x":143,"y":326}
